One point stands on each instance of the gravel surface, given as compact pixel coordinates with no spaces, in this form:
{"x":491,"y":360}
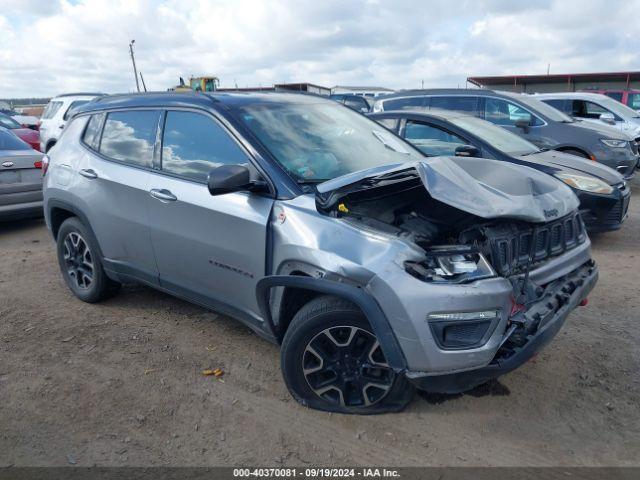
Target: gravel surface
{"x":120,"y":383}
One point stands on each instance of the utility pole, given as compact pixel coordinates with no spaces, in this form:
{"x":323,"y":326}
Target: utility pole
{"x":133,"y":60}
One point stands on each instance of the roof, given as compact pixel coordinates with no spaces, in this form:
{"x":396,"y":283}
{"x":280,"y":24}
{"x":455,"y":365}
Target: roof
{"x":191,"y":99}
{"x":363,"y":88}
{"x":443,"y":91}
{"x":555,"y":78}
{"x":80,"y":94}
{"x":435,"y":113}
{"x":559,"y":95}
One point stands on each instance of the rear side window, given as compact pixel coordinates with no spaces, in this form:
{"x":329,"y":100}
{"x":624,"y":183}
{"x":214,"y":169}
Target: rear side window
{"x":130,"y":136}
{"x":194,"y":144}
{"x":51,"y":109}
{"x":8,"y":141}
{"x":404,"y":103}
{"x":457,"y":103}
{"x":91,"y":135}
{"x":73,"y":105}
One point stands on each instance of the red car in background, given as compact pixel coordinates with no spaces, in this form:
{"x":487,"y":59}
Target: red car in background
{"x":32,"y":137}
{"x":630,"y":98}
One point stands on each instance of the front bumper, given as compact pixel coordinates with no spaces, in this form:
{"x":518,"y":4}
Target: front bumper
{"x":603,"y":213}
{"x":534,"y":329}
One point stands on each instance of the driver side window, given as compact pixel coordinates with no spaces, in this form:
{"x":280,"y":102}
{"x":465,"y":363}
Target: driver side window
{"x":431,"y":140}
{"x":194,"y":144}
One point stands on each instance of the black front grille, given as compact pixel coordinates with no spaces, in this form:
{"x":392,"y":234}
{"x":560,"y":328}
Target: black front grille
{"x":510,"y":246}
{"x":615,"y":214}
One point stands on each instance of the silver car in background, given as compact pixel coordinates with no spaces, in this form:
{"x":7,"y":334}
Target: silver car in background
{"x":20,"y":178}
{"x":595,"y":108}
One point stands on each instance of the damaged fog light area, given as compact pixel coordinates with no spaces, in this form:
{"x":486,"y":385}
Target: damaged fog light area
{"x":458,"y":330}
{"x":451,"y":264}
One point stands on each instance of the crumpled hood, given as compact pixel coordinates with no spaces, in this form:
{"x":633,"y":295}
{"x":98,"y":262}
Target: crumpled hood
{"x":485,"y":188}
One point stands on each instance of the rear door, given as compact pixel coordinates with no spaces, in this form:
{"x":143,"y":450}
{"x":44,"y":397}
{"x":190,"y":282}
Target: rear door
{"x":211,"y":249}
{"x":113,"y":182}
{"x":20,"y":174}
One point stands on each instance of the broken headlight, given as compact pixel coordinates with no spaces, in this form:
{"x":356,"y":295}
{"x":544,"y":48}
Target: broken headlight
{"x":451,"y":264}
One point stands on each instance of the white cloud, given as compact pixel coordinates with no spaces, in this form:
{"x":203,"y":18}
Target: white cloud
{"x":55,"y":46}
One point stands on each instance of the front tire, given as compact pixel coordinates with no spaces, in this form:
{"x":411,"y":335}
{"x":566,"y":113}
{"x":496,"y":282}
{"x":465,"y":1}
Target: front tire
{"x":331,"y":360}
{"x":80,"y":263}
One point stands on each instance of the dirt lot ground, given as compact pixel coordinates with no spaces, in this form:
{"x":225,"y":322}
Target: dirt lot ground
{"x":120,"y":383}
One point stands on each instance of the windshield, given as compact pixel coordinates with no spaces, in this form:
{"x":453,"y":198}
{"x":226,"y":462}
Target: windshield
{"x":315,"y":142}
{"x":497,"y":137}
{"x":618,"y":108}
{"x":544,"y":109}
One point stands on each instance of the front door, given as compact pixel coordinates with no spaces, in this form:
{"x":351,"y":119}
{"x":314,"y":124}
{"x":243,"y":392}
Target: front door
{"x":210,"y":249}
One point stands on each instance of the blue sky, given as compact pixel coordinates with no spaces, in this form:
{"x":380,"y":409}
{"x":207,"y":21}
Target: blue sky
{"x":49,"y":47}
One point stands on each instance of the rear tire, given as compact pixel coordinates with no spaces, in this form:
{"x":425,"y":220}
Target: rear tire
{"x":80,"y":263}
{"x":331,"y":360}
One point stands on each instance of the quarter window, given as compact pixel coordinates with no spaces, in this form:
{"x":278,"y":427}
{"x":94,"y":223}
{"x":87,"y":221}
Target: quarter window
{"x":195,"y":144}
{"x":502,"y":112}
{"x":91,"y":135}
{"x":431,"y":140}
{"x":73,"y":105}
{"x":130,"y":136}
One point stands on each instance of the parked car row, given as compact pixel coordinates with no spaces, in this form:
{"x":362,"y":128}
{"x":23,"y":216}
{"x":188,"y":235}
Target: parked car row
{"x":530,"y":118}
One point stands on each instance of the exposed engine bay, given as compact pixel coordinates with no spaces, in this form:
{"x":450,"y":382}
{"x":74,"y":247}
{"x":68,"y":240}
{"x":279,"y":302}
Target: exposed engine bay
{"x":457,"y":243}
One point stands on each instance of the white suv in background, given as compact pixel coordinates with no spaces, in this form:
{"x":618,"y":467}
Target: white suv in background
{"x":597,"y":108}
{"x":55,"y":115}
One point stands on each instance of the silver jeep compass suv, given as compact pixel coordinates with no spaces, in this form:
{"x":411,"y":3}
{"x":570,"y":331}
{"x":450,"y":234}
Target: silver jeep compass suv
{"x":375,"y":268}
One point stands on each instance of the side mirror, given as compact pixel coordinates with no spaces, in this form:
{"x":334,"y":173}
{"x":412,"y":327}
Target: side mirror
{"x":608,"y":117}
{"x":467,"y":151}
{"x":523,"y":124}
{"x":228,"y":178}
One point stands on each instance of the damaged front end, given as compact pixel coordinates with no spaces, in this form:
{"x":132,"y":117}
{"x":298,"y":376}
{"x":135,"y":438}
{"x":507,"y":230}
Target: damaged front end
{"x":505,"y":259}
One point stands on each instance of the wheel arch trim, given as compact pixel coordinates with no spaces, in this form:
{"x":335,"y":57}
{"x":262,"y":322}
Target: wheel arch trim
{"x":358,"y":296}
{"x":54,"y":203}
